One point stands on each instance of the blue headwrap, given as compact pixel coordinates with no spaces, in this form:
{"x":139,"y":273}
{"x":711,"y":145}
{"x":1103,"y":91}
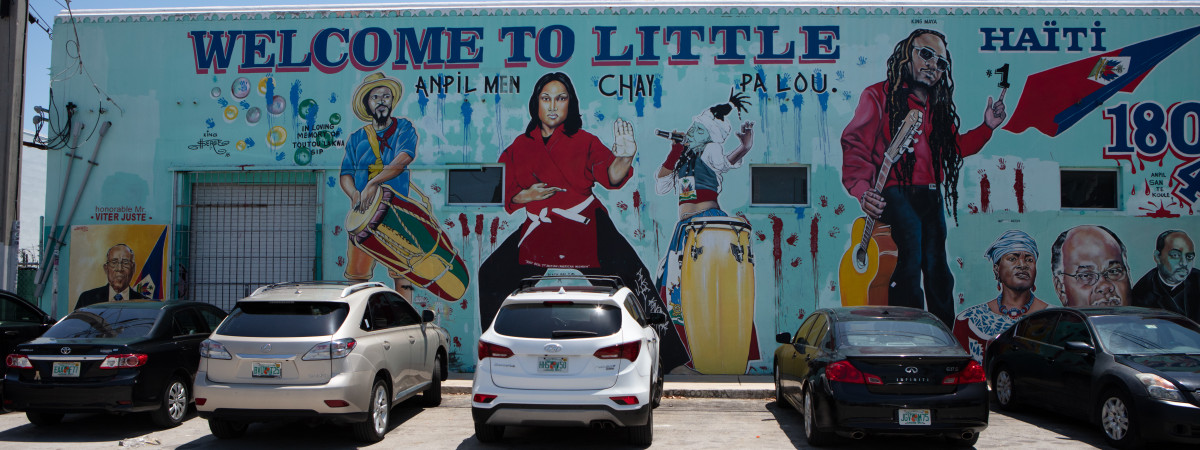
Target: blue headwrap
{"x":1011,"y":241}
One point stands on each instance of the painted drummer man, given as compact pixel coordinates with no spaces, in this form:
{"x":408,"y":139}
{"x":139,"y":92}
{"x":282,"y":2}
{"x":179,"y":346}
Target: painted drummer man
{"x":377,"y":154}
{"x":693,"y":170}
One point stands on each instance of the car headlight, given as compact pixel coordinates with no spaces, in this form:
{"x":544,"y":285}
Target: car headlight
{"x":1159,"y":388}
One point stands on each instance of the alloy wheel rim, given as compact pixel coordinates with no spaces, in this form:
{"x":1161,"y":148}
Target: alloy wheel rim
{"x":1115,"y":418}
{"x":176,"y":401}
{"x":381,"y":410}
{"x":1004,"y":387}
{"x":808,"y":415}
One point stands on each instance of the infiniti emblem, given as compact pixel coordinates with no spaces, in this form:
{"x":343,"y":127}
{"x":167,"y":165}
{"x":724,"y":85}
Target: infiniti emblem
{"x":552,"y":348}
{"x":910,"y":369}
{"x":266,"y":348}
{"x":65,"y":350}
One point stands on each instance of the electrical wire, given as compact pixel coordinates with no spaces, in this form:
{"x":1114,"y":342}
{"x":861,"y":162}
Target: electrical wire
{"x":40,"y":21}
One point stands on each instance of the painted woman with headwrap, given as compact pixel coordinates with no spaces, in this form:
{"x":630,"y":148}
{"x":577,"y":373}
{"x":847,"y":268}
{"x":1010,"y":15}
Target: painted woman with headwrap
{"x":693,"y":170}
{"x":1014,"y":264}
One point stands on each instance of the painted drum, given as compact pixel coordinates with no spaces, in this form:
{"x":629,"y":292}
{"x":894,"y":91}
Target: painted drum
{"x":716,"y":293}
{"x":402,"y":233}
{"x":240,"y":87}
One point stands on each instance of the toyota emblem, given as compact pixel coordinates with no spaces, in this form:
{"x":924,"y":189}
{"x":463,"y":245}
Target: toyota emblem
{"x":266,"y":348}
{"x":552,"y":348}
{"x":910,"y":369}
{"x":65,"y":350}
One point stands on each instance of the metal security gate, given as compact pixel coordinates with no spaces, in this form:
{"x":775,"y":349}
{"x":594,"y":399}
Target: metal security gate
{"x":236,"y":231}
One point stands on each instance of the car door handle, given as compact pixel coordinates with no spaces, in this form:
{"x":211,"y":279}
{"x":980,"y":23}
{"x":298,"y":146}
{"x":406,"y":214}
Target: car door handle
{"x":11,"y":333}
{"x":387,"y":345}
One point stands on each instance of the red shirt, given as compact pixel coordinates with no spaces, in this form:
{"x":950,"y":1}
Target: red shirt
{"x":574,"y":163}
{"x":867,"y":136}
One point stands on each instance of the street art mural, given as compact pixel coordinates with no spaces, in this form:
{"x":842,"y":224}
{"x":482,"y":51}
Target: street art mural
{"x":738,"y":168}
{"x":117,"y":263}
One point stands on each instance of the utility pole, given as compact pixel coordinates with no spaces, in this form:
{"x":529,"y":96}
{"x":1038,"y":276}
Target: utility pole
{"x":14,"y":22}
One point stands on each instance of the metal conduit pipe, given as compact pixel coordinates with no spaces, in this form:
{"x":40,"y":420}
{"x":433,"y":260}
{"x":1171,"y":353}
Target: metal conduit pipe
{"x":44,"y":262}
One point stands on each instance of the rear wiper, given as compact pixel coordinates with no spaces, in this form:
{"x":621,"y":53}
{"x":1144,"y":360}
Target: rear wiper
{"x":556,"y":334}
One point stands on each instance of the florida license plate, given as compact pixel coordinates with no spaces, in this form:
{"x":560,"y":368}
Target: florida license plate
{"x":65,"y":369}
{"x":915,"y":417}
{"x":266,"y":370}
{"x":552,"y":364}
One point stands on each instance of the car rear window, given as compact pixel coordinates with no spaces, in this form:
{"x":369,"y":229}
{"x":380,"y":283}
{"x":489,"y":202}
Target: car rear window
{"x":284,"y":319}
{"x":558,"y":320}
{"x":104,"y":323}
{"x":893,"y":333}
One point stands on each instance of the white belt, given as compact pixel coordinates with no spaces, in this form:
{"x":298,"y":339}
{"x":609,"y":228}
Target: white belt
{"x":571,"y":213}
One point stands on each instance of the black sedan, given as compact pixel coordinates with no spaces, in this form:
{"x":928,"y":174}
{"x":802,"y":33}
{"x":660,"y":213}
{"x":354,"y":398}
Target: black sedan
{"x":120,"y":357}
{"x":20,"y":321}
{"x":1135,"y":371}
{"x":880,"y":370}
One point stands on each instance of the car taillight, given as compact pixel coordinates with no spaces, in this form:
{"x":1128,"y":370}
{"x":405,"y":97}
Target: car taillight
{"x":490,"y":350}
{"x":483,"y":398}
{"x":845,"y":372}
{"x":125,"y":361}
{"x":625,"y":400}
{"x":17,"y":361}
{"x":628,"y":350}
{"x":331,"y":350}
{"x":213,"y":349}
{"x":973,"y":373}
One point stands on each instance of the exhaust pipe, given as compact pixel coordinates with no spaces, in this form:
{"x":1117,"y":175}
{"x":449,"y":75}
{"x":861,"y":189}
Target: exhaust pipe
{"x":967,"y":434}
{"x":857,"y":434}
{"x":603,"y":425}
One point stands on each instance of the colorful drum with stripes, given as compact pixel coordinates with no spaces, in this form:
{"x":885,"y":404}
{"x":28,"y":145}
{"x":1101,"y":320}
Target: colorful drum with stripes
{"x":717,"y":293}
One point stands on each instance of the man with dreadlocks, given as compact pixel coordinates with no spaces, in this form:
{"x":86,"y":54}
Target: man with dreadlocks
{"x":924,"y":182}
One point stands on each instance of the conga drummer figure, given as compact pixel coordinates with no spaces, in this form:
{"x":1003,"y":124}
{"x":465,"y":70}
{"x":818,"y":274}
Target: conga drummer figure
{"x":707,"y":276}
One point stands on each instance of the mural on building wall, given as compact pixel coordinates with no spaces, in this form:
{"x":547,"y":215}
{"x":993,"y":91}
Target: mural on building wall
{"x":117,"y":263}
{"x":917,"y":161}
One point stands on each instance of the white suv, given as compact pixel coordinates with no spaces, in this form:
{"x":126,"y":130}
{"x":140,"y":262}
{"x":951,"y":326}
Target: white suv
{"x":569,"y":356}
{"x":319,"y":350}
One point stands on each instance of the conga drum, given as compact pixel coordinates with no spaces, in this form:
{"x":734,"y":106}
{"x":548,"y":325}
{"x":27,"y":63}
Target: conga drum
{"x":717,"y":293}
{"x":402,"y":233}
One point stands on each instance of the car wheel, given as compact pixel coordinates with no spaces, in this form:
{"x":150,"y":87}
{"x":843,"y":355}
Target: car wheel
{"x":43,"y":419}
{"x":174,"y":404}
{"x":433,"y":394}
{"x":1004,"y":389}
{"x":1118,"y":421}
{"x":816,"y":438}
{"x":488,"y":433}
{"x":656,"y":389}
{"x":377,"y":415}
{"x":780,"y":401}
{"x":227,"y":429}
{"x":643,"y":435}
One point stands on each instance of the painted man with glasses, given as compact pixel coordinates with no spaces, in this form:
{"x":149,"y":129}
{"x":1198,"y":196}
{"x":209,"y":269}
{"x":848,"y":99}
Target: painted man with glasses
{"x":923,"y":183}
{"x":1173,"y":284}
{"x":1090,"y":268}
{"x":119,"y":267}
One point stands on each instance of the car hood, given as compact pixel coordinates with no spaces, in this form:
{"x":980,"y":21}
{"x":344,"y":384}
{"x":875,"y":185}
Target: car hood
{"x":1184,"y":369}
{"x":903,"y":351}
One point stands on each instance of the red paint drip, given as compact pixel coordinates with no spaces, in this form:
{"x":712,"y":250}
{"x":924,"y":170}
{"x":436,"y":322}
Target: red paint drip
{"x":492,"y":231}
{"x":466,"y":228}
{"x":1019,"y":188}
{"x":637,"y":199}
{"x":1133,"y":191}
{"x":985,"y":193}
{"x":791,"y":240}
{"x":1147,"y":183}
{"x":479,"y":224}
{"x":1161,"y":212}
{"x":1142,"y":164}
{"x":812,"y":240}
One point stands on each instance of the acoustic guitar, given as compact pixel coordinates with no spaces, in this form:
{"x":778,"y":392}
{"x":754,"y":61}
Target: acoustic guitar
{"x":860,"y":264}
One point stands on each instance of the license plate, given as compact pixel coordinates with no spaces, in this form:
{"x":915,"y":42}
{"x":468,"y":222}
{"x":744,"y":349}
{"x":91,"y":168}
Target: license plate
{"x":65,"y":369}
{"x":552,"y":364}
{"x":915,"y":417}
{"x":266,"y":370}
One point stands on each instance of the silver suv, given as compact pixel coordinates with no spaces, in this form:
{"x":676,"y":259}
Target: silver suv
{"x":324,"y":350}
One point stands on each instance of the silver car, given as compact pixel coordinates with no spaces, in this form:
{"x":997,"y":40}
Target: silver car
{"x":322,"y":350}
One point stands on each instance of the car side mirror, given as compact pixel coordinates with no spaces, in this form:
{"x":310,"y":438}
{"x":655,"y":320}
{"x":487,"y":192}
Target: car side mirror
{"x":428,"y":316}
{"x":784,"y":338}
{"x":1082,"y":348}
{"x":656,"y":318}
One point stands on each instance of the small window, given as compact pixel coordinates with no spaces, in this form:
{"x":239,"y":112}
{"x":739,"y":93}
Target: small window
{"x":476,"y":186}
{"x":779,"y":185}
{"x":1089,"y":188}
{"x":405,"y":314}
{"x":1037,"y":328}
{"x":186,"y":323}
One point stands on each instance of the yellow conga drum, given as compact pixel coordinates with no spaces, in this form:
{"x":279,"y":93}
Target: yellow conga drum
{"x":402,"y":233}
{"x":717,"y":293}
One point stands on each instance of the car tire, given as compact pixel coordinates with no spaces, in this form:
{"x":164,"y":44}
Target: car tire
{"x":643,"y":435}
{"x":433,"y":394}
{"x":43,"y":419}
{"x":227,"y":429}
{"x":780,"y":401}
{"x":174,"y":404}
{"x":488,"y":433}
{"x":376,"y":425}
{"x":815,"y":437}
{"x":1004,"y":389}
{"x":1117,"y":420}
{"x":657,"y":388}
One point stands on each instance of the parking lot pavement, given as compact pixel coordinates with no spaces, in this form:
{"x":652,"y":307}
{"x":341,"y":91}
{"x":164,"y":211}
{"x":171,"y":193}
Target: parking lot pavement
{"x":697,"y":423}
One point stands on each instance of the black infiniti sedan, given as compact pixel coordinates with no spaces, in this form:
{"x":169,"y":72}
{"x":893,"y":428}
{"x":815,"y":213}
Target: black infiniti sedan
{"x":1134,"y":371}
{"x":119,"y":357}
{"x":880,"y":370}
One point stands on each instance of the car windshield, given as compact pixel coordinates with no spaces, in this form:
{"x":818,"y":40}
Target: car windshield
{"x":558,"y":320}
{"x":104,"y":323}
{"x":1142,"y":335}
{"x":284,"y":319}
{"x":892,"y":333}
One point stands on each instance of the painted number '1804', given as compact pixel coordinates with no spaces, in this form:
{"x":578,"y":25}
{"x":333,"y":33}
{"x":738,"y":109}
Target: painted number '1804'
{"x":1147,"y":131}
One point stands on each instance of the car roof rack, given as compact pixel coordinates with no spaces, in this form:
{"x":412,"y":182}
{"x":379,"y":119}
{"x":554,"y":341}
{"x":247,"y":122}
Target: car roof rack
{"x":613,"y":282}
{"x":352,"y":285}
